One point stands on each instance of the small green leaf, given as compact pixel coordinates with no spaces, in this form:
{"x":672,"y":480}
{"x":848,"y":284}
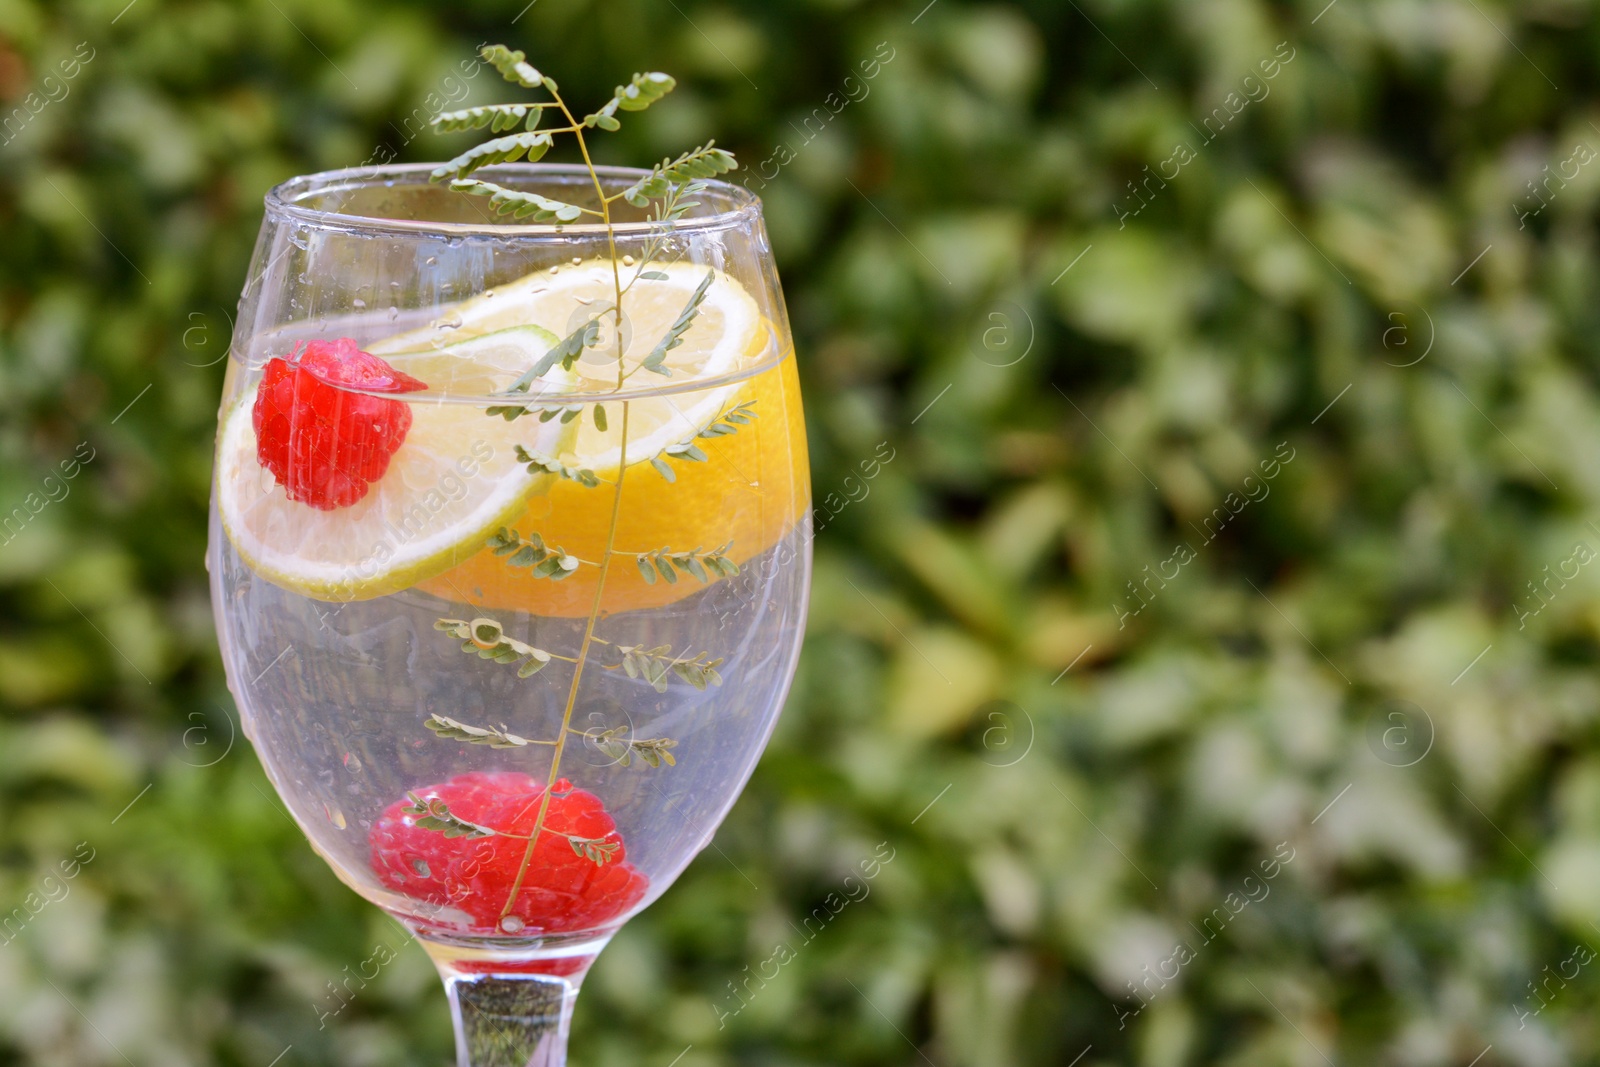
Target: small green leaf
{"x":596,"y":850}
{"x":513,"y":66}
{"x":657,"y":665}
{"x":686,"y":451}
{"x":519,"y":204}
{"x":615,"y":743}
{"x":566,"y":353}
{"x":434,"y":814}
{"x":500,"y":150}
{"x":644,"y":90}
{"x":495,"y":116}
{"x":707,"y":161}
{"x":486,"y":639}
{"x":494,"y":737}
{"x":686,"y":317}
{"x":538,"y":461}
{"x":600,"y":417}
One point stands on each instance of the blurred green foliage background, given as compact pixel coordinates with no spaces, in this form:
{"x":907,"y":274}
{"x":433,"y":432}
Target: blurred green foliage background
{"x":1080,"y":341}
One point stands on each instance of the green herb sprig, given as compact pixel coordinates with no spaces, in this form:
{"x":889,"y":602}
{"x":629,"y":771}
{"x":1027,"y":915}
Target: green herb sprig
{"x":538,"y":461}
{"x":434,"y":814}
{"x":493,"y":736}
{"x":531,"y":552}
{"x":694,"y":563}
{"x":620,"y":747}
{"x":642,"y":91}
{"x":487,"y":639}
{"x":617,"y":742}
{"x":687,"y":451}
{"x":667,"y":192}
{"x":655,"y":664}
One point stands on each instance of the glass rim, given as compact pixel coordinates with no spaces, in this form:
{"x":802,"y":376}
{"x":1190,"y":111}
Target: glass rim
{"x":283,"y":201}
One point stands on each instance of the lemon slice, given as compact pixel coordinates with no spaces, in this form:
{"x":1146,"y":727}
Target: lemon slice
{"x":453,"y":481}
{"x":456,"y":477}
{"x":728,"y":334}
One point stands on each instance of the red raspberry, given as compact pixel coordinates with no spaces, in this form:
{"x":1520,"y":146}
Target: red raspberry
{"x":562,"y":891}
{"x":326,"y":445}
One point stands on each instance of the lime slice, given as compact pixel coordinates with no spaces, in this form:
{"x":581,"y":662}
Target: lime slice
{"x":474,"y":366}
{"x":728,"y":334}
{"x":452,"y":483}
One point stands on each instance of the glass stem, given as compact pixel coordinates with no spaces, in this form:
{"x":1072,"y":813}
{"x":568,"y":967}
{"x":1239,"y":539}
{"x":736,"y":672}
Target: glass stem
{"x":518,"y":1020}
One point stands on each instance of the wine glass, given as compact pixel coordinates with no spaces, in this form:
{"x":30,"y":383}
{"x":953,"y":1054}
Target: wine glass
{"x":509,"y":555}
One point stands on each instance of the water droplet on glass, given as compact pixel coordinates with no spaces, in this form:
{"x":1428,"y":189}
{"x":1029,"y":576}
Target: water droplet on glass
{"x":556,"y":269}
{"x":431,"y":260}
{"x":394,"y":313}
{"x":576,"y":261}
{"x":334,"y":815}
{"x":511,"y":924}
{"x":358,"y":303}
{"x":420,"y":865}
{"x":488,"y":292}
{"x":627,"y":261}
{"x":352,"y":763}
{"x":449,"y":322}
